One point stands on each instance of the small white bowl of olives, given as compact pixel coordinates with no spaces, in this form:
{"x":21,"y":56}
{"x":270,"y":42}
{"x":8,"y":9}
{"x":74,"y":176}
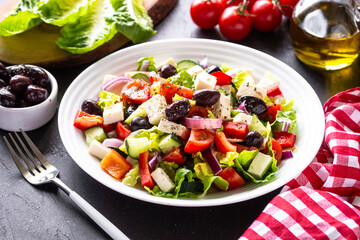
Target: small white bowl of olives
{"x":28,"y":97}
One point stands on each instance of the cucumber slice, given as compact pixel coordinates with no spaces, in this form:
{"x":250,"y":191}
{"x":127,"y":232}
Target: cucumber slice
{"x":95,"y":133}
{"x":139,"y":112}
{"x":135,"y":146}
{"x":169,"y":142}
{"x":185,"y":65}
{"x":256,"y":125}
{"x":141,"y":76}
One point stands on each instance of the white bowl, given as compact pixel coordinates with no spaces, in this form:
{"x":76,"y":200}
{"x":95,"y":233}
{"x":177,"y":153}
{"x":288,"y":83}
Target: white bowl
{"x":87,"y":85}
{"x":33,"y":117}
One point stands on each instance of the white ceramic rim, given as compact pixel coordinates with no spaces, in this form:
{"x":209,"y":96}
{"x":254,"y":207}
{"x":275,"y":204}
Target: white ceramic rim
{"x":308,"y":144}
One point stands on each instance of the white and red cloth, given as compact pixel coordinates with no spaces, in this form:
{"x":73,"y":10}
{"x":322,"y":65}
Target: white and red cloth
{"x":323,"y":202}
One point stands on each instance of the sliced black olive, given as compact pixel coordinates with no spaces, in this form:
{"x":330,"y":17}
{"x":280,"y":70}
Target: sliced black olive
{"x":206,"y":97}
{"x":253,"y":104}
{"x":177,"y":110}
{"x":130,"y":110}
{"x":91,"y":107}
{"x":254,"y":139}
{"x":167,"y":71}
{"x":213,"y":68}
{"x":140,"y":123}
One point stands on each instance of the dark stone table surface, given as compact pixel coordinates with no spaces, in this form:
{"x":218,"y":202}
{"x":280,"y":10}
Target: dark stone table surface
{"x":28,"y":212}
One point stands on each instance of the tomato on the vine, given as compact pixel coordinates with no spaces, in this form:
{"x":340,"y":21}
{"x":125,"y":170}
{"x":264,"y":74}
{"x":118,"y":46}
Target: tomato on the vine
{"x":287,"y":6}
{"x":206,"y":13}
{"x":267,"y":16}
{"x":235,"y":24}
{"x":228,"y":3}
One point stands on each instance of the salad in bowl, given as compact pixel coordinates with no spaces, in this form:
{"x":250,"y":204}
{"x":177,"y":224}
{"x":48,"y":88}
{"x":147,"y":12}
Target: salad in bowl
{"x":184,"y":129}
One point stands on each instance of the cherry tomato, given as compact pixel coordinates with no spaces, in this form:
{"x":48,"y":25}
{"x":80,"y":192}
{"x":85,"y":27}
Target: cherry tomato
{"x":276,"y":147}
{"x":287,"y":6}
{"x":222,"y":144}
{"x":84,"y":120}
{"x":168,"y":90}
{"x":137,"y":91}
{"x":233,"y":178}
{"x":285,"y":139}
{"x":234,"y":25}
{"x":228,"y":3}
{"x":199,"y":140}
{"x":267,"y":15}
{"x":176,"y":156}
{"x":235,"y":130}
{"x":198,"y":111}
{"x":206,"y":13}
{"x":270,"y":114}
{"x":122,"y":130}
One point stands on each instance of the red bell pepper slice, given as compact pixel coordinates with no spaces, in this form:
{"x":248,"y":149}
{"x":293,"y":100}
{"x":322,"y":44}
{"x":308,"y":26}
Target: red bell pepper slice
{"x":222,"y":144}
{"x":222,"y":78}
{"x":84,"y":120}
{"x":233,"y":178}
{"x":273,"y":91}
{"x":236,"y":130}
{"x":285,"y":139}
{"x":146,"y":179}
{"x":199,"y":140}
{"x":122,"y":130}
{"x":176,"y":156}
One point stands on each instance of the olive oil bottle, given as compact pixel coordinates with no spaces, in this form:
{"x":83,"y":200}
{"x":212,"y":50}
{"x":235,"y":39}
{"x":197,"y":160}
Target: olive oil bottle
{"x":325,"y":34}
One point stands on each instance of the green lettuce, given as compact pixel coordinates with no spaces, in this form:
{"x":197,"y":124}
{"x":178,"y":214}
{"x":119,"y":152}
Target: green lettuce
{"x":22,"y":18}
{"x":132,"y":20}
{"x":245,"y":158}
{"x":61,"y":12}
{"x":228,"y":159}
{"x":184,"y":79}
{"x":219,"y":182}
{"x":239,"y":78}
{"x":151,"y":66}
{"x":202,"y":169}
{"x":106,"y":99}
{"x":90,"y":31}
{"x":288,"y":116}
{"x":169,"y":168}
{"x":153,"y":134}
{"x":288,"y":106}
{"x":224,"y":68}
{"x":132,"y":176}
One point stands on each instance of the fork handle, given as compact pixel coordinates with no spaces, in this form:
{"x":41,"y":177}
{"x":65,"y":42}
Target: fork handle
{"x":95,"y":215}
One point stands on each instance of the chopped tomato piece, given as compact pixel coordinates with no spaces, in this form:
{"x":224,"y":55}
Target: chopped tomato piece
{"x":276,"y":147}
{"x":122,"y":130}
{"x":137,"y":91}
{"x":273,"y":91}
{"x":270,"y":115}
{"x":235,"y":130}
{"x":115,"y":164}
{"x":84,"y":120}
{"x":155,"y":79}
{"x":198,"y":111}
{"x":146,"y":179}
{"x":285,"y":139}
{"x":199,"y":140}
{"x":222,"y":78}
{"x":109,"y":127}
{"x":233,"y":178}
{"x":176,"y":156}
{"x":222,"y":144}
{"x":168,"y":90}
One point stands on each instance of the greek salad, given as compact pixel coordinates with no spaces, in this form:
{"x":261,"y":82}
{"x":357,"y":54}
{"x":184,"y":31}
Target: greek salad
{"x":182,"y":129}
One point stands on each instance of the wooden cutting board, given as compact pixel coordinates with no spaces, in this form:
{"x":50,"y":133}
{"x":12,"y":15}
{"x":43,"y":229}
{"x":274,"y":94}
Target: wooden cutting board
{"x":38,"y":45}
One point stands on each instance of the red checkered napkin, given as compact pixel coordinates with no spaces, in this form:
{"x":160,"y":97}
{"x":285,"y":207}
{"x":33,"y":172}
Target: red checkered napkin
{"x":323,"y":202}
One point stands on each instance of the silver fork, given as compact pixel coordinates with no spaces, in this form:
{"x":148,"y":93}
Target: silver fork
{"x":41,"y":172}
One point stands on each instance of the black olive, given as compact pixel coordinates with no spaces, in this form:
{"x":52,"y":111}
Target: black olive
{"x":140,"y":123}
{"x":206,"y":97}
{"x":7,"y":98}
{"x":167,"y":71}
{"x":253,"y":104}
{"x":212,"y":69}
{"x":177,"y":110}
{"x":18,"y":70}
{"x":35,"y":94}
{"x":4,"y":73}
{"x":130,"y":110}
{"x":2,"y":83}
{"x":254,"y":139}
{"x":91,"y":107}
{"x":38,"y":76}
{"x":19,"y":83}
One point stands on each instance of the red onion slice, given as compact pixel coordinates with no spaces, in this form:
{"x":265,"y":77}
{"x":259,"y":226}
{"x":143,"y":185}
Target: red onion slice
{"x":285,"y":127}
{"x":287,"y":154}
{"x":153,"y":161}
{"x":204,"y":62}
{"x":203,"y":123}
{"x":210,"y":158}
{"x":115,"y":85}
{"x":145,"y":65}
{"x":243,"y":108}
{"x":112,"y":142}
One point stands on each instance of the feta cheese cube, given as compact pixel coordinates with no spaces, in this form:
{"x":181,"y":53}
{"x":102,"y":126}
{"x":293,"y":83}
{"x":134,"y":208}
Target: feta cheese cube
{"x":167,"y":61}
{"x":155,"y":109}
{"x":162,"y":180}
{"x":204,"y":81}
{"x":98,"y":150}
{"x":226,"y":88}
{"x":174,"y":128}
{"x":243,"y":118}
{"x":249,"y":88}
{"x":195,"y":70}
{"x":114,"y":113}
{"x":222,"y":108}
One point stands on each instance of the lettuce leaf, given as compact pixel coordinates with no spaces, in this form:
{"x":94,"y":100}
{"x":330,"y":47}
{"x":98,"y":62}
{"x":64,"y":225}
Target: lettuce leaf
{"x":224,"y":68}
{"x":153,"y":134}
{"x":132,"y":176}
{"x":61,"y":12}
{"x":219,"y":182}
{"x":152,"y":63}
{"x":228,"y":159}
{"x":132,"y":20}
{"x":22,"y":18}
{"x":288,"y":116}
{"x":90,"y":31}
{"x":239,"y":78}
{"x":106,"y":99}
{"x":183,"y":79}
{"x":202,"y":170}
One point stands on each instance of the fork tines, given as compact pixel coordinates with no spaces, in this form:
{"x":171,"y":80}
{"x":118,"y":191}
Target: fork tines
{"x":34,"y":166}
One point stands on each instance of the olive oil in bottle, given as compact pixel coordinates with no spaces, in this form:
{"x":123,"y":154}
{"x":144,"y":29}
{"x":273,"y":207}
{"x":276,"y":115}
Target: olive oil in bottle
{"x":325,"y":34}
